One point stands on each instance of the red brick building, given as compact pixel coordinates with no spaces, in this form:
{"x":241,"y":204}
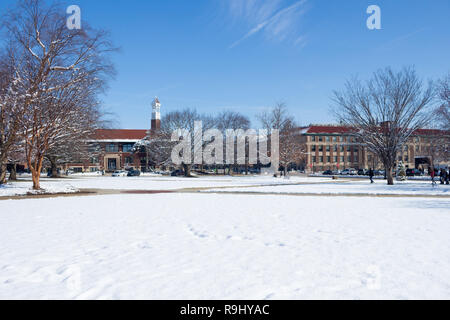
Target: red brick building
{"x":113,"y":148}
{"x":330,"y":147}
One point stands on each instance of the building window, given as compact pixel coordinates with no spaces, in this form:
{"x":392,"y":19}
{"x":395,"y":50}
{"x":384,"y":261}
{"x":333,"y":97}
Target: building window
{"x":356,"y":158}
{"x":349,"y":159}
{"x":328,"y":159}
{"x":335,"y":148}
{"x":342,"y":148}
{"x":321,"y":159}
{"x":327,"y":139}
{"x":320,"y":139}
{"x":128,"y":160}
{"x":334,"y":159}
{"x":334,"y":139}
{"x":342,"y":160}
{"x":349,"y":149}
{"x":93,"y":160}
{"x":112,"y":148}
{"x":328,"y":148}
{"x":314,"y":159}
{"x":313,"y":148}
{"x":320,"y":148}
{"x":127,"y":147}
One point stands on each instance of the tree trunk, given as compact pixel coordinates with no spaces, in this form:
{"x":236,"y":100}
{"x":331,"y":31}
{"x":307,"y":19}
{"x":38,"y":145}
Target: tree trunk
{"x":13,"y":174}
{"x":389,"y":176}
{"x":35,"y":175}
{"x":2,"y":172}
{"x":54,"y":169}
{"x":187,"y":170}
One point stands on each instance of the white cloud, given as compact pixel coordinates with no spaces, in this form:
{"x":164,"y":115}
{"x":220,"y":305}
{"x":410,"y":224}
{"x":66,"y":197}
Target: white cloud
{"x":272,"y":18}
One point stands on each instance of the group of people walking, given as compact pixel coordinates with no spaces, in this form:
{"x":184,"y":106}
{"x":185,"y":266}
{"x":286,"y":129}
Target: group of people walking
{"x":444,"y":176}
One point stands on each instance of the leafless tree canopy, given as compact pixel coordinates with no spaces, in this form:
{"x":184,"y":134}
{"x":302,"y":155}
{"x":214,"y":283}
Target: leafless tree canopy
{"x":291,"y":147}
{"x":385,"y":111}
{"x":158,"y":145}
{"x":443,"y":111}
{"x":57,"y":74}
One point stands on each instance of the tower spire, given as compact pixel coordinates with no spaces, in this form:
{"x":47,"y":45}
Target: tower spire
{"x":156,"y":115}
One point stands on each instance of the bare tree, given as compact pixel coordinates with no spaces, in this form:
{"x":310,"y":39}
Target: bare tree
{"x":56,"y":67}
{"x":443,"y":111}
{"x":185,"y":119}
{"x":10,"y":113}
{"x":385,"y":111}
{"x":230,"y":120}
{"x":291,"y":148}
{"x":157,"y":146}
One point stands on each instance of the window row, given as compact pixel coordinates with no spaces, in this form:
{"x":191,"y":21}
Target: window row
{"x":114,"y":147}
{"x":333,"y":139}
{"x":349,"y":159}
{"x":335,"y":148}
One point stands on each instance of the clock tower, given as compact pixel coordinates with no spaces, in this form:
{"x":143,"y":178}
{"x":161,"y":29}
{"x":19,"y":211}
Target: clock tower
{"x":156,"y":115}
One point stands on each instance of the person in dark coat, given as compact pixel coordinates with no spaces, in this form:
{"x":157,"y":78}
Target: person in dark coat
{"x":371,"y":174}
{"x":442,"y":175}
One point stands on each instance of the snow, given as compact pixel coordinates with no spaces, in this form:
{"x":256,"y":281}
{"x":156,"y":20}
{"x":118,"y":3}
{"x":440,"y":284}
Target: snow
{"x":226,"y":246}
{"x":211,"y":246}
{"x":153,"y":182}
{"x":350,"y":188}
{"x":22,"y":188}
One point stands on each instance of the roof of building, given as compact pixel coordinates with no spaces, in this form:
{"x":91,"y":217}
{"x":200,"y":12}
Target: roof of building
{"x":428,"y":132}
{"x":335,"y":129}
{"x":124,"y":135}
{"x":330,"y":129}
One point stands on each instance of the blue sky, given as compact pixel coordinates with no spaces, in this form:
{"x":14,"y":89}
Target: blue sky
{"x":247,"y":55}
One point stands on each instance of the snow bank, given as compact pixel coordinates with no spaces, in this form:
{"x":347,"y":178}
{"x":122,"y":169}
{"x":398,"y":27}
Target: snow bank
{"x":24,"y":188}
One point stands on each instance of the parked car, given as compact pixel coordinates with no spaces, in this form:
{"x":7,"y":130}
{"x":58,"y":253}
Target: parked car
{"x":328,"y":173}
{"x":177,"y":173}
{"x":133,"y":173}
{"x":119,"y":173}
{"x":378,"y":173}
{"x":255,"y":171}
{"x":349,"y":172}
{"x":363,"y":172}
{"x":413,"y":172}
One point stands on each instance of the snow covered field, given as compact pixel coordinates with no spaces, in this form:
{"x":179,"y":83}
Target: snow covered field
{"x":417,"y":188}
{"x":146,"y":183}
{"x":225,"y":246}
{"x":263,"y":184}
